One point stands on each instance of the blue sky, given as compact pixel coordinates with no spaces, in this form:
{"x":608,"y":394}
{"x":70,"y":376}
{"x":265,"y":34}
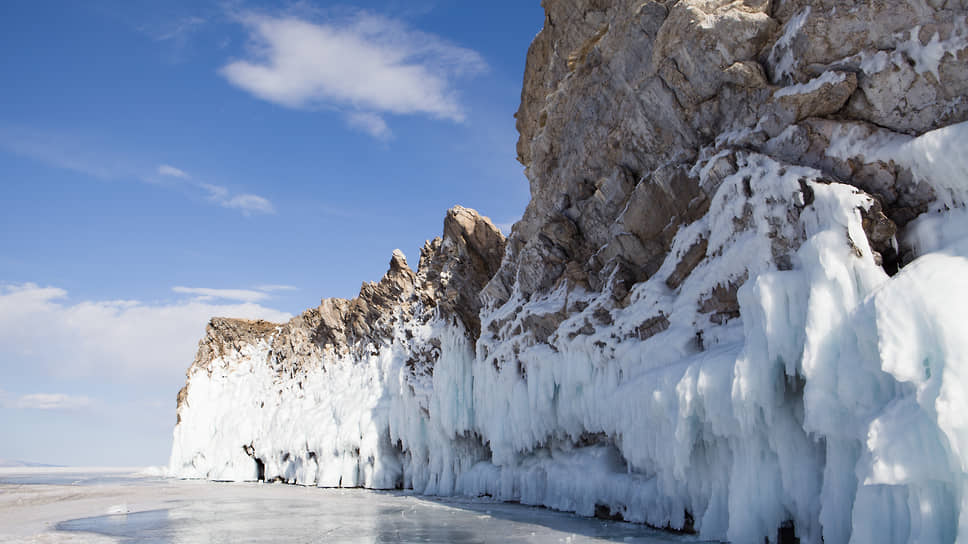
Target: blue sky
{"x":162,"y":162}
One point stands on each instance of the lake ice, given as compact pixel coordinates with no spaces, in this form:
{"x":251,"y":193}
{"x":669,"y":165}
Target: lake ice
{"x":62,"y":505}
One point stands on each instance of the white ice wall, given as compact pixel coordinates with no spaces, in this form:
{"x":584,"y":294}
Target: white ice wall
{"x":839,"y":401}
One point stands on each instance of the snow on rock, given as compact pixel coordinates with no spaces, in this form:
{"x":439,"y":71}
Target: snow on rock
{"x":815,"y":84}
{"x":730,"y":307}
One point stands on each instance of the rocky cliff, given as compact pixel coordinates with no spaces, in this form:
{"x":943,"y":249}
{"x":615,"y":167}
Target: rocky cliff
{"x":734,"y":305}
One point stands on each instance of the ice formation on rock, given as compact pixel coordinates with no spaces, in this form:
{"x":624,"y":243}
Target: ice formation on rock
{"x":736,"y":303}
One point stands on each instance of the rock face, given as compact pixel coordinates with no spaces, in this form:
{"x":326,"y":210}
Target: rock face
{"x":622,"y":100}
{"x":699,"y":322}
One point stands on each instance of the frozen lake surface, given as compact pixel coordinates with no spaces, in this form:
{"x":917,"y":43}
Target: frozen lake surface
{"x":68,"y":505}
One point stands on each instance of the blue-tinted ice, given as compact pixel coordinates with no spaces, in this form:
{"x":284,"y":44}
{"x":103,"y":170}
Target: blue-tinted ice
{"x":321,"y":515}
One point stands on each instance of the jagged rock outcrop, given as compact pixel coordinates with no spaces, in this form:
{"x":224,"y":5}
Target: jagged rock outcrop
{"x":224,"y":336}
{"x":397,"y":321}
{"x":734,"y":304}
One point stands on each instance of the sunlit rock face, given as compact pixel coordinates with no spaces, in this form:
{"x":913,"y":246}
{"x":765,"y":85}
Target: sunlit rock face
{"x":735,"y":304}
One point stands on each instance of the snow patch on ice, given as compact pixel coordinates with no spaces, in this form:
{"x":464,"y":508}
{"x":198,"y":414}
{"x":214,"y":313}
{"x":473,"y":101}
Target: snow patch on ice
{"x":153,"y":471}
{"x":117,"y":509}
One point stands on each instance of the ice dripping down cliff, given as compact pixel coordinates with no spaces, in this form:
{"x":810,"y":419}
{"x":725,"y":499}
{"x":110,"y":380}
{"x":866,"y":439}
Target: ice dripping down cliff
{"x":737,"y":302}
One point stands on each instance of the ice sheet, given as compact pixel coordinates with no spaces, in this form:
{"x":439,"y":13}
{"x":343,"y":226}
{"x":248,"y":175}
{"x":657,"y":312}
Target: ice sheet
{"x":195,"y":512}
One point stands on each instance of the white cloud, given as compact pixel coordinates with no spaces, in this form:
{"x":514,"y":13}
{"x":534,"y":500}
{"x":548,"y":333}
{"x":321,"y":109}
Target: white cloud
{"x":247,"y":203}
{"x":367,"y":63}
{"x":168,"y":170}
{"x":205,"y":293}
{"x":52,"y":401}
{"x":108,"y":340}
{"x":370,"y":123}
{"x":273,"y":287}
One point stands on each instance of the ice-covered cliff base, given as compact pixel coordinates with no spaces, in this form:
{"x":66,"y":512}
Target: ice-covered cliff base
{"x":821,"y":397}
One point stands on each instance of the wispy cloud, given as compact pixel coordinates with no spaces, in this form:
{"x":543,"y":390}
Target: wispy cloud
{"x":68,"y":152}
{"x":256,"y":294}
{"x":107,"y":339}
{"x":247,"y":203}
{"x":52,"y":401}
{"x":64,"y":150}
{"x":205,"y":293}
{"x":177,"y":34}
{"x":272,"y":287}
{"x":171,"y":171}
{"x":176,"y":29}
{"x":370,"y":123}
{"x":368,"y":64}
